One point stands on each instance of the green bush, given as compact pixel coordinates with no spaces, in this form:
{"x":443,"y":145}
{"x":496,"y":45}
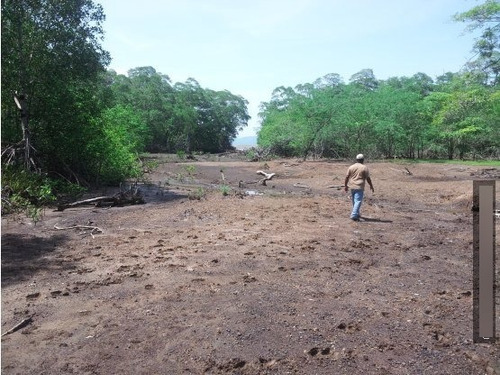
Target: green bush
{"x":198,"y":194}
{"x":29,"y":193}
{"x":114,"y":153}
{"x":225,"y":190}
{"x":181,"y":154}
{"x":190,"y":169}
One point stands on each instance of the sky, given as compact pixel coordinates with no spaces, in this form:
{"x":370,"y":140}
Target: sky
{"x":251,"y":47}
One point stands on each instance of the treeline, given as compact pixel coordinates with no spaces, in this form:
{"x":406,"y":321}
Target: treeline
{"x":180,"y":116}
{"x":455,"y":116}
{"x":65,"y":116}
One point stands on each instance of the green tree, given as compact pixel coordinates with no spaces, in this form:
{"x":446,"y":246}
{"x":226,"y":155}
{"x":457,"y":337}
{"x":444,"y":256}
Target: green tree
{"x":51,"y":54}
{"x":150,"y":93}
{"x":228,"y":116}
{"x":485,"y":17}
{"x":193,"y":111}
{"x":365,"y":79}
{"x":122,"y":136}
{"x":463,"y":118}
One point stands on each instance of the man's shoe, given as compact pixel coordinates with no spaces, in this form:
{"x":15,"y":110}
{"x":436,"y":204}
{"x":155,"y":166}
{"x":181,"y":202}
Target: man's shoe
{"x":355,"y":218}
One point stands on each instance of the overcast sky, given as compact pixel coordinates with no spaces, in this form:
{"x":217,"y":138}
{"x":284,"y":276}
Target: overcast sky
{"x":250,"y":47}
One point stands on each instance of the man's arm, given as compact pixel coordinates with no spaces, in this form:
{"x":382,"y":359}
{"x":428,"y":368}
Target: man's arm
{"x":369,"y":180}
{"x":346,"y":182}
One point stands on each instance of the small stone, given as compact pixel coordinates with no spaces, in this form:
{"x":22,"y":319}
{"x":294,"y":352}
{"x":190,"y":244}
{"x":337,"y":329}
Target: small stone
{"x":33,"y":295}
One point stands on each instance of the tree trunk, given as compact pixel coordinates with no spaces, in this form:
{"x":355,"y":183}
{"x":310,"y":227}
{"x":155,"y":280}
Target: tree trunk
{"x":451,"y":149}
{"x":20,"y":100}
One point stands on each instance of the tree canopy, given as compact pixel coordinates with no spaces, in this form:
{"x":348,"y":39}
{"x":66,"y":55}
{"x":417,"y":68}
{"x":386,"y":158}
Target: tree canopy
{"x":455,"y":115}
{"x":402,"y":116}
{"x":485,"y":17}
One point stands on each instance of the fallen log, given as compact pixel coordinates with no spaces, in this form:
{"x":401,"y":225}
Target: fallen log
{"x":119,"y":199}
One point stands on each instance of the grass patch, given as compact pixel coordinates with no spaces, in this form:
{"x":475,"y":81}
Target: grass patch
{"x":198,"y":194}
{"x":225,"y":190}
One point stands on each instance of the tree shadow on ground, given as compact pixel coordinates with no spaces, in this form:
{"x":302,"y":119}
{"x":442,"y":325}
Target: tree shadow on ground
{"x":24,"y":255}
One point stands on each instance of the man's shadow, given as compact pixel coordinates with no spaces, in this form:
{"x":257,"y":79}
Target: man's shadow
{"x":375,"y":220}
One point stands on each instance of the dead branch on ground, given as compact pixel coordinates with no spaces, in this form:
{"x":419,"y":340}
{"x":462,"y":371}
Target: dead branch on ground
{"x":338,"y":187}
{"x":122,"y":198}
{"x":406,"y":171}
{"x":20,"y":325}
{"x":93,"y":228}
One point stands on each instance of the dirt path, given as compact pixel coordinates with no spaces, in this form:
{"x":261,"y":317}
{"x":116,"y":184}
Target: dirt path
{"x":278,"y":283}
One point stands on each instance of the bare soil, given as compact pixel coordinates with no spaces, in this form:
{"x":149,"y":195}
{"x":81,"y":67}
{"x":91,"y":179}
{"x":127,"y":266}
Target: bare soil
{"x":269,"y":279}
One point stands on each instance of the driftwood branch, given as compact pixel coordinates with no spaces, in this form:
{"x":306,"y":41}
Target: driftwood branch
{"x":267,"y":177}
{"x":93,"y":228}
{"x":120,"y":199}
{"x":302,"y":186}
{"x":84,"y":202}
{"x":20,"y":325}
{"x":406,"y":171}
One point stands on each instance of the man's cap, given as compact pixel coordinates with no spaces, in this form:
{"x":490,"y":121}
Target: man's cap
{"x":360,"y":157}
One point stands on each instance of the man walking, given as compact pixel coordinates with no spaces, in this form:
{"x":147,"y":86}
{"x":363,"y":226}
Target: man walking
{"x":355,"y":179}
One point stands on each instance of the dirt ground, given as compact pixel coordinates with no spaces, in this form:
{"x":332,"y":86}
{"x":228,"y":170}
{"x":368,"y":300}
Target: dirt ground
{"x":265,"y":280}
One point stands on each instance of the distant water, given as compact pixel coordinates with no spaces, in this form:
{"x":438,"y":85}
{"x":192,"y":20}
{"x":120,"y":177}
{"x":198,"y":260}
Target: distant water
{"x":245,"y":142}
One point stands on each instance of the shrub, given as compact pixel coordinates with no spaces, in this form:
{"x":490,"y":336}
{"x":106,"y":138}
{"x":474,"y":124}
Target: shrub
{"x":27,"y":192}
{"x":198,"y":194}
{"x":225,"y":190}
